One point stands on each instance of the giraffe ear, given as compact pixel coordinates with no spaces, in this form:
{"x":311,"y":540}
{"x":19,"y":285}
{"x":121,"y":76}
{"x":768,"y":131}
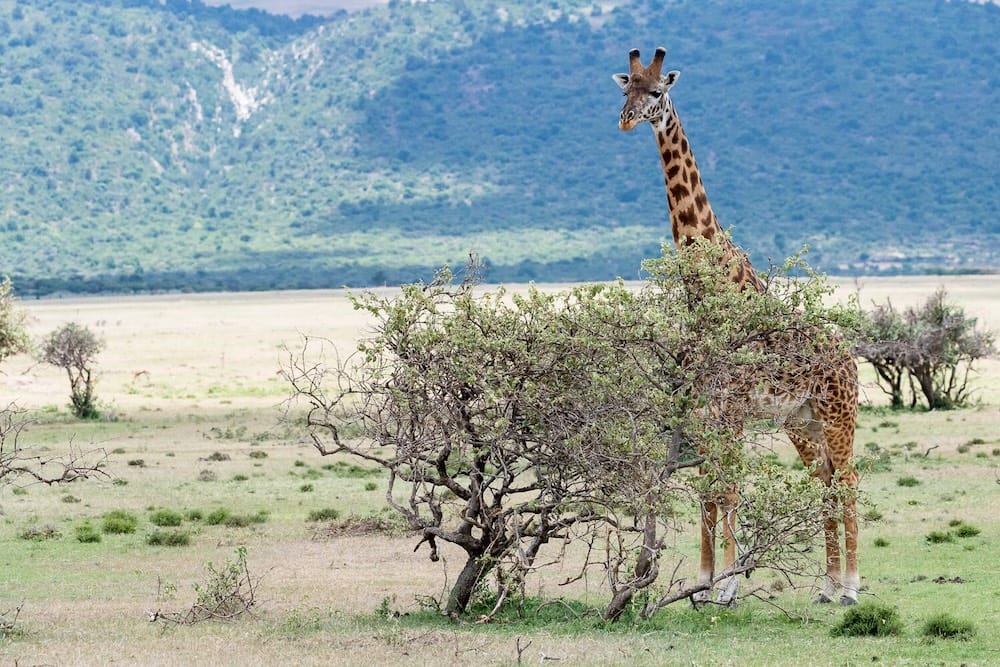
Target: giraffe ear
{"x":669,"y":79}
{"x":621,"y":80}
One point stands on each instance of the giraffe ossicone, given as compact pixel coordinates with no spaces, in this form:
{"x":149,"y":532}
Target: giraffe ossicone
{"x":816,"y":400}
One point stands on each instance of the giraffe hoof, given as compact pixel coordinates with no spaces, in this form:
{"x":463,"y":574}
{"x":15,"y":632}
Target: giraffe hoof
{"x":847,"y":601}
{"x":823,"y":598}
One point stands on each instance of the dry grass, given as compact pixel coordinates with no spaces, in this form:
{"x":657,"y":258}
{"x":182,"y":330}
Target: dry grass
{"x":212,"y":384}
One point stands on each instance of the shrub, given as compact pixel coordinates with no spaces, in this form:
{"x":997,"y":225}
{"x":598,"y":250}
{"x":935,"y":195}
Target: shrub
{"x":881,"y":542}
{"x":965,"y":530}
{"x":119,"y":522}
{"x":939,"y":537}
{"x":69,"y":499}
{"x":19,"y":491}
{"x":120,"y":482}
{"x":207,"y":476}
{"x":240,"y":477}
{"x":306,"y":488}
{"x":194,"y":515}
{"x":868,"y":619}
{"x":169,"y":538}
{"x":907,"y":481}
{"x":945,"y":626}
{"x":217,"y":516}
{"x":166,"y":518}
{"x":872,"y":514}
{"x":137,"y":463}
{"x":370,"y":486}
{"x":87,"y":534}
{"x":257,"y":454}
{"x":325,"y":514}
{"x":217,"y":456}
{"x":244,"y":520}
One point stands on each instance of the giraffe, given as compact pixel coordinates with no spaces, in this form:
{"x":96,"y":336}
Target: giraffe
{"x":817,"y":402}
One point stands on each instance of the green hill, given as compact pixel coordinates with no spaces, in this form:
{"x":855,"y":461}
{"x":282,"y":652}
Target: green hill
{"x":151,"y":146}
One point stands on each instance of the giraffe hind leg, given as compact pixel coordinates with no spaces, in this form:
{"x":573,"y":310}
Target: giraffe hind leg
{"x":808,"y":441}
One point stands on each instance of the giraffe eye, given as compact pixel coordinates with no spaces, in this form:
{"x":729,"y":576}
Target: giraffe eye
{"x":656,"y":94}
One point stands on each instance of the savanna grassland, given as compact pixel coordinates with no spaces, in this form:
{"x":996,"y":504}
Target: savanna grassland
{"x":192,"y":392}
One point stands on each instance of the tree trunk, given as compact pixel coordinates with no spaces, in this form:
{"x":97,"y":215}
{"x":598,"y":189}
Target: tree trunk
{"x":476,"y":567}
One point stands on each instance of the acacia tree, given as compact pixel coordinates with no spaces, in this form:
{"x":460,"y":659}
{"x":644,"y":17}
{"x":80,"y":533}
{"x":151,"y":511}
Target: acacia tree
{"x":931,"y":347}
{"x":74,"y":348}
{"x":508,"y":422}
{"x":18,"y":464}
{"x":13,"y":338}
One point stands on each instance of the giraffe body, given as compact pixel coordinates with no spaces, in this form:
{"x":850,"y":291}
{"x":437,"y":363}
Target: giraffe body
{"x":815,"y":401}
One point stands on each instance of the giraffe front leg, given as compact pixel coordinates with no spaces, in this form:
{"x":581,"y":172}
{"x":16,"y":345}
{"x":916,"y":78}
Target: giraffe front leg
{"x":706,"y":567}
{"x":730,"y":586}
{"x":852,"y":578}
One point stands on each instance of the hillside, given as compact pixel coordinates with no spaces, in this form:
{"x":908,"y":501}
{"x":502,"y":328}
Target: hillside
{"x":150,"y":146}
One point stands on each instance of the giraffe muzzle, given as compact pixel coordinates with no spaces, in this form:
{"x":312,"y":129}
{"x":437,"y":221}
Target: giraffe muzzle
{"x":627,"y":120}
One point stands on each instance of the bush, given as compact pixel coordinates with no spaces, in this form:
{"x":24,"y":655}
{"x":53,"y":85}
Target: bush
{"x":325,"y":514}
{"x":217,"y":516}
{"x":965,"y":530}
{"x":881,"y":542}
{"x":257,"y":454}
{"x":306,"y":488}
{"x":244,"y":520}
{"x":166,"y":518}
{"x":945,"y":626}
{"x":939,"y":537}
{"x":869,"y":619}
{"x":169,"y":538}
{"x":907,"y":481}
{"x":207,"y":476}
{"x":194,"y":515}
{"x":119,"y":522}
{"x":87,"y":534}
{"x":217,"y":456}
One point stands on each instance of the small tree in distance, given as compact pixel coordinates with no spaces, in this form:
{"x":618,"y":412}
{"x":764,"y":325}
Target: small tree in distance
{"x":13,"y":338}
{"x":74,"y":348}
{"x":929,"y":349}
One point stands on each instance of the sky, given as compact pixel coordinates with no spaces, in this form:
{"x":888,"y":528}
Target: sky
{"x":296,"y":8}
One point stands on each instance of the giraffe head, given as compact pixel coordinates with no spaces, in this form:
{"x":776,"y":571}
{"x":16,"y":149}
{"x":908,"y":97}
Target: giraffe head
{"x":645,"y":90}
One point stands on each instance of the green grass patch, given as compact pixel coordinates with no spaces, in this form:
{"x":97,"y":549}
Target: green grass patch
{"x":868,"y":619}
{"x":169,"y":538}
{"x":325,"y":514}
{"x":946,"y":626}
{"x":966,"y":530}
{"x":907,"y":481}
{"x":87,"y":534}
{"x":939,"y":537}
{"x":351,"y":470}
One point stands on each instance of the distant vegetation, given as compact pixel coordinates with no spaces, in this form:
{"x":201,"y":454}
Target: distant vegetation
{"x":373,"y":147}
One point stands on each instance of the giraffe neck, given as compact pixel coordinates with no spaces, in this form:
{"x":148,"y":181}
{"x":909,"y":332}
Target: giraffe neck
{"x":691,"y":214}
